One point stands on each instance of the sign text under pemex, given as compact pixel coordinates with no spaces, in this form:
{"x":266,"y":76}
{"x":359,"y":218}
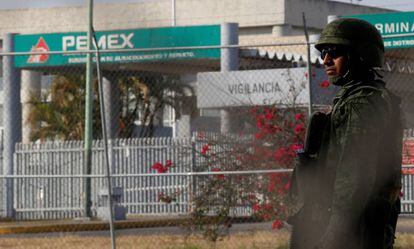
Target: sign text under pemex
{"x":168,"y":37}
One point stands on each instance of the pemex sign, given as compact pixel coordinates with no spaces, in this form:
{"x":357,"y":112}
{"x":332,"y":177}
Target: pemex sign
{"x":397,"y":29}
{"x":128,"y":40}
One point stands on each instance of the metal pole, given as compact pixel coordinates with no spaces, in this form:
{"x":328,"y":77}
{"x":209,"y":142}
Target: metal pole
{"x":111,"y":93}
{"x":173,"y":12}
{"x":88,"y":117}
{"x":108,"y":163}
{"x":229,"y":61}
{"x":31,"y":86}
{"x":11,"y":121}
{"x":308,"y":63}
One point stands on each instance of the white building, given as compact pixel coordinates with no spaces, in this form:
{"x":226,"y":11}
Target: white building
{"x":260,"y":21}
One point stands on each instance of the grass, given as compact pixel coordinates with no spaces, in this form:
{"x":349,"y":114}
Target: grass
{"x":244,"y":240}
{"x":404,"y":241}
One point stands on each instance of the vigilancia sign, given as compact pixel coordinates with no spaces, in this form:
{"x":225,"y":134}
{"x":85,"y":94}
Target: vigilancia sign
{"x":397,"y":29}
{"x":167,"y":37}
{"x":285,"y":87}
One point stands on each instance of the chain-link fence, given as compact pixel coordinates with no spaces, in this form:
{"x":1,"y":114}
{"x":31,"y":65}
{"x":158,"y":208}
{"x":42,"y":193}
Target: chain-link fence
{"x":200,"y":141}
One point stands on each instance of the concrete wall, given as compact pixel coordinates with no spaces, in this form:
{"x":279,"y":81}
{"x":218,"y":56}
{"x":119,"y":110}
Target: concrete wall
{"x":255,"y":17}
{"x":245,"y":12}
{"x":316,"y":12}
{"x":106,"y":17}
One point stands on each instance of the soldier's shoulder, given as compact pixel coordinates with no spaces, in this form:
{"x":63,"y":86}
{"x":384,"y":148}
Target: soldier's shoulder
{"x":369,"y":92}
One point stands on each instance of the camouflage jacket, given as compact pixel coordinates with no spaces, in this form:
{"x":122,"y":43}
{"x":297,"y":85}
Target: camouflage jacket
{"x":360,"y":158}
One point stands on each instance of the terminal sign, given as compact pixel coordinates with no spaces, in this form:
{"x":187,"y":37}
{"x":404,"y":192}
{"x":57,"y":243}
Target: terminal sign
{"x":397,"y":29}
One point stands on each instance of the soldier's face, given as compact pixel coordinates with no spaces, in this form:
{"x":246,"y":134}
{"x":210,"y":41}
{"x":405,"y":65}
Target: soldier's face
{"x":335,"y":60}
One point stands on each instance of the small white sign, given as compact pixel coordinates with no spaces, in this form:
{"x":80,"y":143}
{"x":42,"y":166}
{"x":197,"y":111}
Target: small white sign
{"x":284,"y":87}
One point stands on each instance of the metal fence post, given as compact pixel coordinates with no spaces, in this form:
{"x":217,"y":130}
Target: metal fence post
{"x":87,"y":213}
{"x":308,"y":64}
{"x":11,"y":121}
{"x":192,"y":181}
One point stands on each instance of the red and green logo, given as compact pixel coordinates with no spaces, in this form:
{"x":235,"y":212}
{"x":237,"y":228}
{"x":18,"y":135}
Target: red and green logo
{"x":41,"y":46}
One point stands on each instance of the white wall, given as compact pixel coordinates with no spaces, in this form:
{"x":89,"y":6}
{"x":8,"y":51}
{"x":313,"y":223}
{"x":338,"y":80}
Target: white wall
{"x":316,"y":12}
{"x":283,"y":17}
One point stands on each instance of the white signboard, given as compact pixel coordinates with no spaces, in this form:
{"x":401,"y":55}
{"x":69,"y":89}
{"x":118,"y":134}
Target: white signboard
{"x":285,"y":87}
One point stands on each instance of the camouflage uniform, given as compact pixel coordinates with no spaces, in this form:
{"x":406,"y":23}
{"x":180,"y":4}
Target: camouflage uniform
{"x":353,"y":180}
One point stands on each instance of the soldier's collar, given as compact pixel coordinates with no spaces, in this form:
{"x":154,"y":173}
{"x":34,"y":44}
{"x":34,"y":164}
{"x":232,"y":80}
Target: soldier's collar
{"x":345,"y":89}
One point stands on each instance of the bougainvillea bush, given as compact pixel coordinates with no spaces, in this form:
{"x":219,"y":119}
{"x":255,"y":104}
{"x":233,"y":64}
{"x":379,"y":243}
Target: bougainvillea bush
{"x":271,"y":143}
{"x":268,"y":140}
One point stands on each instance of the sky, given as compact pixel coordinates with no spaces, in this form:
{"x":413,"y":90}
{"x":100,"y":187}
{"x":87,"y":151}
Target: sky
{"x":402,"y":5}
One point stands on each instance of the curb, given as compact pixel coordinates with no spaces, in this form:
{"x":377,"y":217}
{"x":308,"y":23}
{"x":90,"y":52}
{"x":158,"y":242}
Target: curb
{"x":87,"y":226}
{"x":101,"y":225}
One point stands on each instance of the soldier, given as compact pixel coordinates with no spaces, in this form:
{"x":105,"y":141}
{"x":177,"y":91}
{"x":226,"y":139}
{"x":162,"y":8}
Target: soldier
{"x":349,"y":175}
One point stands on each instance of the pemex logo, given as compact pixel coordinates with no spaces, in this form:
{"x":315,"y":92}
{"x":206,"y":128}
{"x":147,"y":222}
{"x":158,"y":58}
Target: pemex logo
{"x":41,"y":46}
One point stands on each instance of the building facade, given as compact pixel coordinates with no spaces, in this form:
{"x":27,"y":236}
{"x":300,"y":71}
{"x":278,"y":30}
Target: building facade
{"x":258,"y":22}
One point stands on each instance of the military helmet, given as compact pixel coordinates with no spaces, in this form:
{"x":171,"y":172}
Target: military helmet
{"x":362,"y":37}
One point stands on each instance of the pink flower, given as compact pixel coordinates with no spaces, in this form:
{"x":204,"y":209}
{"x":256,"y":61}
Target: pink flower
{"x":313,"y":74}
{"x":201,"y":135}
{"x":287,"y":186}
{"x":299,"y":116}
{"x":254,"y":109}
{"x":277,"y":224}
{"x":204,"y":149}
{"x":284,"y":156}
{"x":267,"y":207}
{"x":259,"y":123}
{"x":288,"y":124}
{"x":296,"y":147}
{"x":279,"y":154}
{"x":252,"y":197}
{"x":271,"y":186}
{"x":221,"y":177}
{"x":266,"y":216}
{"x":159,"y":167}
{"x":269,"y":115}
{"x":299,"y":129}
{"x":324,"y":84}
{"x":281,"y":191}
{"x":256,"y":207}
{"x":259,"y":135}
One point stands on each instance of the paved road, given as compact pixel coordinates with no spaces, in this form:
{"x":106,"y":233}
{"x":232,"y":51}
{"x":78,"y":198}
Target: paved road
{"x":405,"y":224}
